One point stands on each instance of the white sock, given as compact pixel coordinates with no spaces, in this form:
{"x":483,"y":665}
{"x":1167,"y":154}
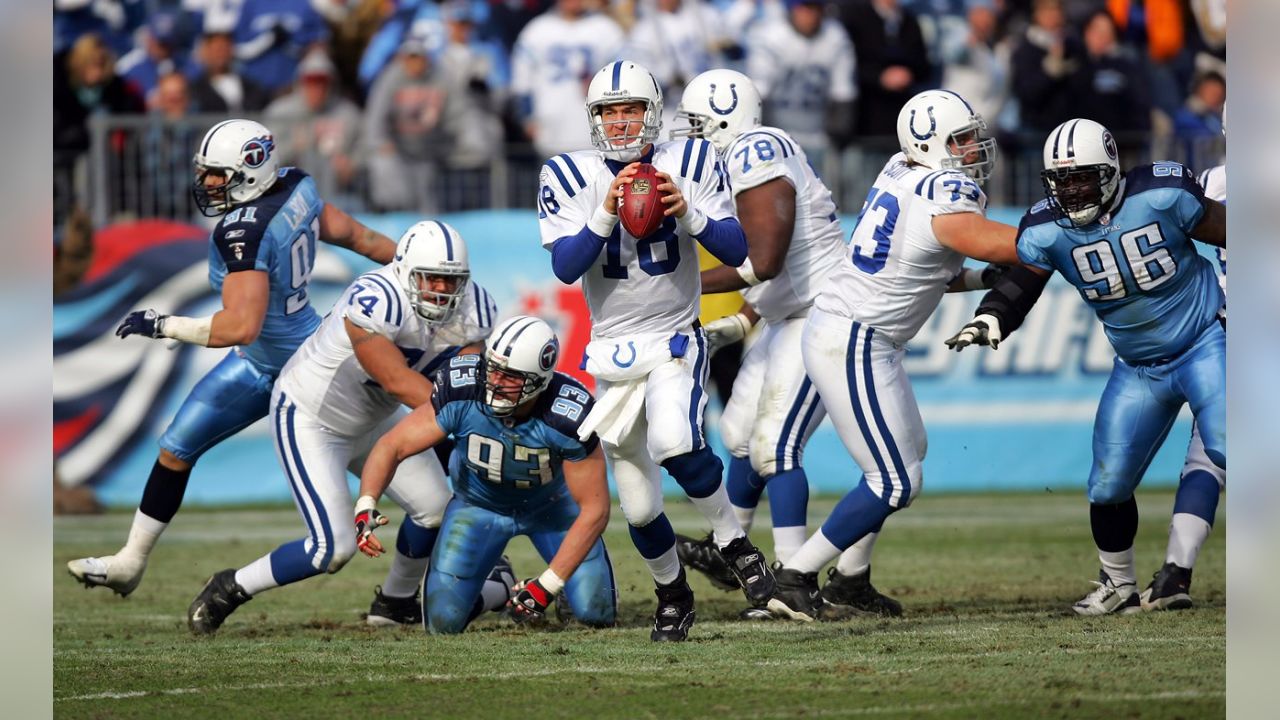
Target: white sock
{"x":256,"y":576}
{"x":745,"y":517}
{"x":494,"y":595}
{"x":404,"y":576}
{"x":1187,"y":534}
{"x":787,"y":540}
{"x":717,"y":509}
{"x":665,"y":567}
{"x":1119,"y":566}
{"x":857,"y":558}
{"x":143,"y":535}
{"x":816,"y":552}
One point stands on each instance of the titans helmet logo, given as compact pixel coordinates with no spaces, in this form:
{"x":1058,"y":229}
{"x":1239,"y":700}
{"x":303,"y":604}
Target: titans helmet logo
{"x":547,"y":358}
{"x":256,"y":151}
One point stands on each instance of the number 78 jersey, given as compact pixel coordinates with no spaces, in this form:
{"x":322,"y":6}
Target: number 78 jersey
{"x":896,"y":271}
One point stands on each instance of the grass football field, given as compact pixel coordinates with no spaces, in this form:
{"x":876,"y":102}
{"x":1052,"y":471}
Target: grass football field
{"x":985,"y":581}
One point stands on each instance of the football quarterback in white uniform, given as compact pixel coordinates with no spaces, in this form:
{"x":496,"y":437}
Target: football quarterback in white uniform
{"x":648,"y":353}
{"x":345,"y":387}
{"x":924,"y":215}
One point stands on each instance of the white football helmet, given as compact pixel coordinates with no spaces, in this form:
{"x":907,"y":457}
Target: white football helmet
{"x":719,"y":105}
{"x":932,"y":121}
{"x":519,"y":360}
{"x":1081,"y":170}
{"x":243,"y":152}
{"x":432,"y":249}
{"x":619,"y":82}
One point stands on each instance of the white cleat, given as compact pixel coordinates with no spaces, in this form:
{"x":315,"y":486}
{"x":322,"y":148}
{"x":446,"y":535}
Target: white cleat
{"x":119,"y":573}
{"x":1109,"y":599}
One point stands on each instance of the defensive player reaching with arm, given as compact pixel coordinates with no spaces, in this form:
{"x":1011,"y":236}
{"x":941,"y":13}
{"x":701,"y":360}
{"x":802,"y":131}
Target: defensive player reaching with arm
{"x":520,"y":470}
{"x":794,"y":242}
{"x":648,"y":353}
{"x":347,"y":385}
{"x":1124,"y":240}
{"x":260,"y":259}
{"x":924,"y":215}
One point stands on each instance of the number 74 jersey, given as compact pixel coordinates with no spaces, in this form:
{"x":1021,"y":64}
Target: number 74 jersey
{"x":896,"y":271}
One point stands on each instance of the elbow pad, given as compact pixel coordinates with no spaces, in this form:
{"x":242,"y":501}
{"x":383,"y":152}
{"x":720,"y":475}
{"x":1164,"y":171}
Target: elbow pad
{"x":1013,"y":296}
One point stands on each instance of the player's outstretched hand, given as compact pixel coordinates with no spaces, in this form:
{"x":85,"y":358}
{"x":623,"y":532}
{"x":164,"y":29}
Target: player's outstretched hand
{"x":531,"y":602}
{"x":368,"y":519}
{"x":672,"y":197}
{"x":148,"y":323}
{"x":726,"y":331}
{"x":615,"y":188}
{"x":982,"y":330}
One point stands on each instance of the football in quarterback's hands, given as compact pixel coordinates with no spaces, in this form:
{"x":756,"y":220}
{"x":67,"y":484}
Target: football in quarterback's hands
{"x":640,"y":207}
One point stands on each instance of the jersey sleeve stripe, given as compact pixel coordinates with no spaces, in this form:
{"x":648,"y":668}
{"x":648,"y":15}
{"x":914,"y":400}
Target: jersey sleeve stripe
{"x":688,"y":155}
{"x":564,"y":182}
{"x":393,"y":297}
{"x":573,"y":168}
{"x":787,"y":149}
{"x":927,"y":181}
{"x":702,"y":158}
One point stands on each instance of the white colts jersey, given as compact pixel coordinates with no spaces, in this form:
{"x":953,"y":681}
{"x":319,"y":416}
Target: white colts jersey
{"x":817,"y":244}
{"x":897,"y":270}
{"x":635,"y":286}
{"x":553,"y":60}
{"x":325,"y":378}
{"x":1214,"y":182}
{"x":797,"y":76}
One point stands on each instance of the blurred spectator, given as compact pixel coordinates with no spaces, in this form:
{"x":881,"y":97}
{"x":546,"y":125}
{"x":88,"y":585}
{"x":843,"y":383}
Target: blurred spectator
{"x":218,"y":88}
{"x":111,"y":20}
{"x":976,"y":64}
{"x":741,"y":16}
{"x":1198,"y":123}
{"x":555,"y":58}
{"x":350,"y":34}
{"x":171,"y":99}
{"x":1111,"y":88}
{"x":167,"y":143}
{"x":1043,"y":64}
{"x":85,"y":83}
{"x":161,"y":50}
{"x":803,"y":65}
{"x":272,"y":36}
{"x":472,"y":120}
{"x":892,"y":62}
{"x":405,"y":133}
{"x":316,"y":128}
{"x":1158,"y":27}
{"x":677,"y":40}
{"x":508,"y":17}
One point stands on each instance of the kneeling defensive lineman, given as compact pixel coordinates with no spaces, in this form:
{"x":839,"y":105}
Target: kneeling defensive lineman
{"x":648,"y":353}
{"x":518,"y":469}
{"x":343,"y":389}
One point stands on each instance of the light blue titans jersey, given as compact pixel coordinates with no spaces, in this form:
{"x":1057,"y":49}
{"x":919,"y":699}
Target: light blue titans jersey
{"x":1137,"y":267}
{"x":275,"y":234}
{"x":507,"y":465}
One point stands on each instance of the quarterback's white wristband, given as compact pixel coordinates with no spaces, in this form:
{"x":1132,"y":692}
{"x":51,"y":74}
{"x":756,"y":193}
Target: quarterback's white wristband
{"x":365,"y":502}
{"x":694,"y":221}
{"x":551,"y":581}
{"x":748,"y":273}
{"x":973,"y":279}
{"x":189,"y":330}
{"x":602,"y":223}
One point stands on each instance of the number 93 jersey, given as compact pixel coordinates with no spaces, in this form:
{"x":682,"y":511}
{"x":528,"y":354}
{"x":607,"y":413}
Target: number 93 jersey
{"x":635,"y":286}
{"x":325,"y":377}
{"x":897,"y":271}
{"x":1137,"y":267}
{"x":275,"y":234}
{"x":503,"y":464}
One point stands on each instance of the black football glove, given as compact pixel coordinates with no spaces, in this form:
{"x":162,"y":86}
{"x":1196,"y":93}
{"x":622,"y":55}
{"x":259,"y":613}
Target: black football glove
{"x":148,"y":323}
{"x":531,"y":602}
{"x":982,"y":330}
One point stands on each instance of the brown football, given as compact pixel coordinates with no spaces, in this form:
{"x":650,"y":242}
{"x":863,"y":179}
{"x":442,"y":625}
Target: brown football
{"x":640,"y":207}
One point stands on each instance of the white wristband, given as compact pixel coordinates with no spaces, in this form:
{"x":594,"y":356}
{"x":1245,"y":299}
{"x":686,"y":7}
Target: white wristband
{"x":551,"y":581}
{"x":602,"y":223}
{"x":748,"y":273}
{"x":189,"y":330}
{"x":365,"y":502}
{"x":694,"y":221}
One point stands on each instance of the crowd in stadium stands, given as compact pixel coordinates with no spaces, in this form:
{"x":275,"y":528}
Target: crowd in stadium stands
{"x":378,"y":98}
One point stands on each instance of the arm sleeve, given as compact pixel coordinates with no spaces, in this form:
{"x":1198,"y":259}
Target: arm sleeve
{"x":242,"y":240}
{"x":374,"y":304}
{"x":1013,"y":296}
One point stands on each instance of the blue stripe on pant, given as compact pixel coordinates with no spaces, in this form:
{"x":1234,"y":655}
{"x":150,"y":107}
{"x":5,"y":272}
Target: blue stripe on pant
{"x":869,"y":434}
{"x":229,"y":398}
{"x":309,"y":556}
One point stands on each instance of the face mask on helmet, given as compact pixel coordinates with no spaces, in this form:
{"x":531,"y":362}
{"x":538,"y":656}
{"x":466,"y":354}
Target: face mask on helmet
{"x":519,"y":360}
{"x":235,"y":163}
{"x":1077,"y":194}
{"x":971,"y":151}
{"x":624,"y":108}
{"x":436,"y":294}
{"x":939,"y":130}
{"x":213,"y":188}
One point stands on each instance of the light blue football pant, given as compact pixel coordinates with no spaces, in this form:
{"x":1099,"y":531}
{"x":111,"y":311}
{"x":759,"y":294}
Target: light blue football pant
{"x":230,"y":397}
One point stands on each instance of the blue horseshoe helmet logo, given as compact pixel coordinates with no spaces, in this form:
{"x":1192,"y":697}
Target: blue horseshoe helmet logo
{"x":733,"y":92}
{"x":630,"y":361}
{"x":933,"y":125}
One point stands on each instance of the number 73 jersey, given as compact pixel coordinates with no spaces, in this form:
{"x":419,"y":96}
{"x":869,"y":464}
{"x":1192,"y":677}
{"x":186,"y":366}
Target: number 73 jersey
{"x":1137,"y":266}
{"x":896,"y":271}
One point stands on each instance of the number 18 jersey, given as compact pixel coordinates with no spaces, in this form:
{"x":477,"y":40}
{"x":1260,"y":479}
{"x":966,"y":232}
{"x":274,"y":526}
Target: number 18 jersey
{"x":896,"y":271}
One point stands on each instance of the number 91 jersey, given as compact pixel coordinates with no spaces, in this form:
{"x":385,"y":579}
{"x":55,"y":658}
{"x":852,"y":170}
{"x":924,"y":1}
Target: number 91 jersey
{"x":635,"y":286}
{"x":897,"y":271}
{"x":504,"y":464}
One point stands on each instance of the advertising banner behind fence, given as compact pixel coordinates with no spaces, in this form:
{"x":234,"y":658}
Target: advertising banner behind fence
{"x":1017,"y":418}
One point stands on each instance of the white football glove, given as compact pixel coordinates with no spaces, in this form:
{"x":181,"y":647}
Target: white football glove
{"x":726,"y":331}
{"x":982,"y":330}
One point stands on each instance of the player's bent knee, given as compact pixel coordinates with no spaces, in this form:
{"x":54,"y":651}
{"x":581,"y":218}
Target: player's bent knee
{"x":764,"y":461}
{"x":1109,"y":493}
{"x":343,"y":550}
{"x":641,"y":514}
{"x":446,"y":618}
{"x":173,"y":462}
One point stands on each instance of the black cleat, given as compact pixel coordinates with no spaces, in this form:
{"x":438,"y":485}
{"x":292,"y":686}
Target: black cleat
{"x":796,"y":596}
{"x":1169,"y":589}
{"x":392,"y":611}
{"x":219,"y":598}
{"x":857,"y":594}
{"x":675,"y":613}
{"x":749,"y":566}
{"x":703,"y":556}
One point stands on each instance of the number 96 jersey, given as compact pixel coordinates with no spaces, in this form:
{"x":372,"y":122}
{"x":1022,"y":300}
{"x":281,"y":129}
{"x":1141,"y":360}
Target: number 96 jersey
{"x":897,"y":271}
{"x":504,"y":464}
